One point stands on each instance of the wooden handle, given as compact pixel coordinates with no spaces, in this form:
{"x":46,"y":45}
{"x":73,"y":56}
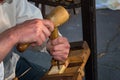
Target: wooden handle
{"x":54,"y":34}
{"x":58,"y":16}
{"x":15,"y":78}
{"x":22,"y":47}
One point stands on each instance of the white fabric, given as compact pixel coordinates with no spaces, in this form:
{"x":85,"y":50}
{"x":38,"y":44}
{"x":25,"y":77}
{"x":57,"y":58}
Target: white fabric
{"x":1,"y":71}
{"x":11,"y":64}
{"x":111,"y":4}
{"x":10,"y":15}
{"x":100,"y":4}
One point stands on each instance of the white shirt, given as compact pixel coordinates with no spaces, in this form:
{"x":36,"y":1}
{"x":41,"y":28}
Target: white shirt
{"x":1,"y":71}
{"x":10,"y":15}
{"x":111,"y":4}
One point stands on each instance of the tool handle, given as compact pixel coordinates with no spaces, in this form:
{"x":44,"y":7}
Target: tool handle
{"x":58,"y":16}
{"x":54,"y":34}
{"x":16,"y":78}
{"x":21,"y":47}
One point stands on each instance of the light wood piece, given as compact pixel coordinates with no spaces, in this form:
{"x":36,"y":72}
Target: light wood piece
{"x":75,"y":69}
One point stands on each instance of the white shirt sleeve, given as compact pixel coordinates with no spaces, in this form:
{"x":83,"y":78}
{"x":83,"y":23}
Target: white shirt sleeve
{"x":1,"y":71}
{"x":26,"y":11}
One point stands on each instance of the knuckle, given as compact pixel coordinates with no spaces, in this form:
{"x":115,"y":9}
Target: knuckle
{"x":39,"y":43}
{"x":60,"y":40}
{"x":66,"y":56}
{"x":36,"y":31}
{"x":68,"y":45}
{"x":48,"y":34}
{"x":65,"y":39}
{"x":54,"y":48}
{"x":36,"y":20}
{"x":44,"y":39}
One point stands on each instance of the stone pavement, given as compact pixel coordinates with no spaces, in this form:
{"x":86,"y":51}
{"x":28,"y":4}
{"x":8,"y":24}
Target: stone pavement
{"x":108,"y":34}
{"x":108,"y":41}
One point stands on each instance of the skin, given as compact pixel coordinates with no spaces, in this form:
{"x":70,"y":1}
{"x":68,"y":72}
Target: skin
{"x":59,"y":48}
{"x":36,"y":32}
{"x":1,"y":1}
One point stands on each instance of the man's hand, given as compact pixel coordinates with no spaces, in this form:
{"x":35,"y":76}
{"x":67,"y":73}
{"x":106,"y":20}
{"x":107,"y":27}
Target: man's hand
{"x":34,"y":31}
{"x":59,"y":48}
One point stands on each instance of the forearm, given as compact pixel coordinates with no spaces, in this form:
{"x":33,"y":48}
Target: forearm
{"x":7,"y":41}
{"x":36,"y":32}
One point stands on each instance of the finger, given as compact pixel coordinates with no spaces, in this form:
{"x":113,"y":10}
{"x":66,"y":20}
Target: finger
{"x":49,"y":24}
{"x":46,"y":31}
{"x":33,"y":44}
{"x":59,"y":40}
{"x":41,"y":39}
{"x":60,"y":53}
{"x":61,"y":58}
{"x":61,"y":47}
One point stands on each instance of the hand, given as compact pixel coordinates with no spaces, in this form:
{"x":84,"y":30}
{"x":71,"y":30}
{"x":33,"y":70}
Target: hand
{"x":59,"y":48}
{"x":30,"y":31}
{"x":34,"y":31}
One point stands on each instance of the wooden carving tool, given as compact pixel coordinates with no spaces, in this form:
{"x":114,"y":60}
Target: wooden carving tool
{"x":17,"y":78}
{"x":58,"y":16}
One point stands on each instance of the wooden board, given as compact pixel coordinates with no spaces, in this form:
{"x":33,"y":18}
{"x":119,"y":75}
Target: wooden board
{"x":77,"y":59}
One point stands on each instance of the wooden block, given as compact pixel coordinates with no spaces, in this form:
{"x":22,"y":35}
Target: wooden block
{"x":72,"y":70}
{"x":54,"y":69}
{"x":75,"y":69}
{"x":69,"y":76}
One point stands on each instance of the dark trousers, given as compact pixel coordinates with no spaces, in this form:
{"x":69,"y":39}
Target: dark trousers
{"x":35,"y":72}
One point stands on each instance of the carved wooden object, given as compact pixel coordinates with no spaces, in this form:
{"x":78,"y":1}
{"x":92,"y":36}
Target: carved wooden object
{"x":78,"y":57}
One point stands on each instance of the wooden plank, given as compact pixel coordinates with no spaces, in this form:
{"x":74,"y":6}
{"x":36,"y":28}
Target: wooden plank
{"x":54,"y":69}
{"x":63,"y":76}
{"x":77,"y":59}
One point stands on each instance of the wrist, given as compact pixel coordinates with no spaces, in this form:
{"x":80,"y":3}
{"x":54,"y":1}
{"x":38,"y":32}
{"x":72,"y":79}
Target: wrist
{"x":12,"y":37}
